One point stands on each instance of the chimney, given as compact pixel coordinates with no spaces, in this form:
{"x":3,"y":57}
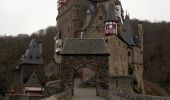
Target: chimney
{"x":140,"y":28}
{"x":40,"y":48}
{"x":141,"y":33}
{"x":81,"y":35}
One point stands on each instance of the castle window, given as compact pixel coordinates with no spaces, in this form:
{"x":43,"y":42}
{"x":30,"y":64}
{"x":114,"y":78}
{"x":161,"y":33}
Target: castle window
{"x":68,"y":29}
{"x":97,"y":28}
{"x":33,"y":76}
{"x":116,"y":83}
{"x":71,"y":27}
{"x":30,"y":57}
{"x":106,"y":40}
{"x":100,"y":18}
{"x":38,"y":57}
{"x":129,"y":54}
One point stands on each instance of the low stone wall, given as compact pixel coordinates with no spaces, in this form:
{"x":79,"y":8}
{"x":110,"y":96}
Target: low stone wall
{"x":103,"y":93}
{"x":118,"y":95}
{"x":22,"y":97}
{"x":66,"y":95}
{"x":128,"y":96}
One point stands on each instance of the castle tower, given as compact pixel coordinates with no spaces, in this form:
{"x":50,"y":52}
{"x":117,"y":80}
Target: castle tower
{"x":70,"y":17}
{"x":31,"y":61}
{"x":58,"y":47}
{"x":120,"y":80}
{"x":111,"y":22}
{"x":135,"y":54}
{"x":137,"y":62}
{"x":119,"y":11}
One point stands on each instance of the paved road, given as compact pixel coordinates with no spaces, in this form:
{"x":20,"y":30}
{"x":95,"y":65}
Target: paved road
{"x":85,"y":93}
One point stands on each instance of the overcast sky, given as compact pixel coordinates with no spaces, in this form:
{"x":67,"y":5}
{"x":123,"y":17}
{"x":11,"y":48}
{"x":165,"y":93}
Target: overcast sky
{"x":28,"y":16}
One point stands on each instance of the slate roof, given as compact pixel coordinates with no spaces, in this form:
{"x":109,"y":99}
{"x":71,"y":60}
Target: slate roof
{"x":33,"y":81}
{"x":118,"y":2}
{"x":111,"y":16}
{"x":32,"y":54}
{"x":127,"y":34}
{"x":84,"y":46}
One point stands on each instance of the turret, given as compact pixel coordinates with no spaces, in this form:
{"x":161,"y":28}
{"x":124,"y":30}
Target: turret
{"x":60,"y":3}
{"x":119,"y":11}
{"x":58,"y":43}
{"x":111,"y":22}
{"x":141,"y":33}
{"x":58,"y":47}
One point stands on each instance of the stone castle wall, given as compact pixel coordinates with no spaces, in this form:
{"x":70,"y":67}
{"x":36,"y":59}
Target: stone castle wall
{"x":137,"y":66}
{"x":98,"y":63}
{"x":118,"y":59}
{"x":70,"y":17}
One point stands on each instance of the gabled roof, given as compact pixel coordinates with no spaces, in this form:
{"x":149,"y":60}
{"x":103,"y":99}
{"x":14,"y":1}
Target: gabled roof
{"x":119,"y":3}
{"x":32,"y":54}
{"x":33,"y":81}
{"x":84,"y":46}
{"x":111,"y":15}
{"x":127,"y":34}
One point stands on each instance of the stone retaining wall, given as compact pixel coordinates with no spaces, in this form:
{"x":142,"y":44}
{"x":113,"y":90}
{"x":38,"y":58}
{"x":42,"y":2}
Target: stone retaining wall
{"x":66,"y":95}
{"x":22,"y":97}
{"x":118,"y":95}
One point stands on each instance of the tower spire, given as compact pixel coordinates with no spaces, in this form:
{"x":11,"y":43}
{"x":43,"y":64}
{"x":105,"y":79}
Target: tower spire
{"x":111,"y":21}
{"x":60,"y":32}
{"x":119,"y":11}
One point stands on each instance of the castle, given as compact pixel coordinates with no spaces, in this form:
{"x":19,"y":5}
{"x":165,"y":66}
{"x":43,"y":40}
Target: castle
{"x":86,"y":24}
{"x":94,"y":39}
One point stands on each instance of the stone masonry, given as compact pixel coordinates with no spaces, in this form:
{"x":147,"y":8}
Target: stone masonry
{"x":98,"y":63}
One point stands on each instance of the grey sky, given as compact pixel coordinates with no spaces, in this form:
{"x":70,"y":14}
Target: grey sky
{"x":28,"y":16}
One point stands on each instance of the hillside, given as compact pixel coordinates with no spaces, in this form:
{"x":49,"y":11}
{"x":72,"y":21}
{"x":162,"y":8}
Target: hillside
{"x":154,"y":89}
{"x":12,"y":47}
{"x":156,"y":53}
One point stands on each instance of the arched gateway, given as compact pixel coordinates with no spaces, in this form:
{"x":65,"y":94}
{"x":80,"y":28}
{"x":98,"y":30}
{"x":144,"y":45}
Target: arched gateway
{"x":85,"y":52}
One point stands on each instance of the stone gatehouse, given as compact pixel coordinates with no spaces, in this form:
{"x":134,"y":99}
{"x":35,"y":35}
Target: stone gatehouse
{"x":91,"y":53}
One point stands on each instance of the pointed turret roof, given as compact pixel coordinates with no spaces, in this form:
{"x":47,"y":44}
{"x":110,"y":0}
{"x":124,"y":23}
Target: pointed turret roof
{"x":60,"y":32}
{"x":33,"y":81}
{"x":118,"y":2}
{"x":111,"y":15}
{"x":32,"y":54}
{"x":127,"y":34}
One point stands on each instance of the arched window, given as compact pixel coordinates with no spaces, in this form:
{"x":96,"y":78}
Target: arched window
{"x":100,"y":18}
{"x":106,"y":40}
{"x":117,"y":84}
